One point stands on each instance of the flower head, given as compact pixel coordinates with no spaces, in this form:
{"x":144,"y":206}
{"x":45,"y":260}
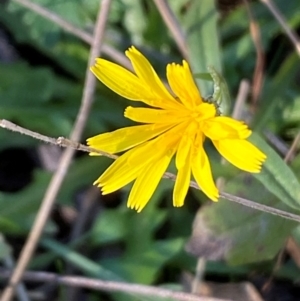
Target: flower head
{"x":176,"y":124}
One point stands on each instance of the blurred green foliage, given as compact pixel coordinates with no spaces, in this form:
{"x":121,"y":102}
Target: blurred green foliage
{"x":42,"y":90}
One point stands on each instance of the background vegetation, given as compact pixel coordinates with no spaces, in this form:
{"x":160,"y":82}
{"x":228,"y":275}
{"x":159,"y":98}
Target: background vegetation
{"x":42,"y":78}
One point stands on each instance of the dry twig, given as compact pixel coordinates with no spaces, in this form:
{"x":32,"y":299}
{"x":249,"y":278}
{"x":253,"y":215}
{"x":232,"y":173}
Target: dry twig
{"x":241,"y":98}
{"x":109,"y":286}
{"x":171,"y":22}
{"x":258,"y":75}
{"x":78,"y":32}
{"x":292,"y":150}
{"x":75,"y":145}
{"x":280,"y":18}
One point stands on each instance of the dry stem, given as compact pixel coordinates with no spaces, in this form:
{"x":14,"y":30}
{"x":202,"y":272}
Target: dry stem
{"x":280,"y":18}
{"x":258,"y":76}
{"x":110,"y":286}
{"x":173,"y":25}
{"x":78,"y":32}
{"x":75,"y":145}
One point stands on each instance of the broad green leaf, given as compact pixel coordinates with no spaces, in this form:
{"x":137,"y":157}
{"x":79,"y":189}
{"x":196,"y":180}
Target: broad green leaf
{"x":243,"y":235}
{"x":240,"y":234}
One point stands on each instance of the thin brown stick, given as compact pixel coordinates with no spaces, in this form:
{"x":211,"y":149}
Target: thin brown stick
{"x":290,"y":154}
{"x":241,"y":99}
{"x":87,"y":208}
{"x":276,"y":268}
{"x":78,"y":32}
{"x":58,"y":177}
{"x":258,"y":75}
{"x":5,"y":124}
{"x":60,"y":141}
{"x":173,"y":25}
{"x":21,"y":292}
{"x":260,"y":207}
{"x":77,"y":146}
{"x":198,"y":279}
{"x":293,"y":250}
{"x":280,"y":18}
{"x":109,"y":286}
{"x":276,"y":142}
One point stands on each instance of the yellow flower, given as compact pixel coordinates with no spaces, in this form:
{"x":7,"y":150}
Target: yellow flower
{"x":178,"y":123}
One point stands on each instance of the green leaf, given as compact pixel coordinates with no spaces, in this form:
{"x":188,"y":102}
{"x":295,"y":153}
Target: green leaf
{"x":240,"y":234}
{"x":243,"y":235}
{"x":200,"y":22}
{"x":135,"y":20}
{"x":5,"y":249}
{"x":141,"y":227}
{"x":47,"y":37}
{"x":204,"y":76}
{"x":17,"y":209}
{"x":88,"y":266}
{"x":145,"y":267}
{"x":104,"y":231}
{"x":82,"y":173}
{"x":277,"y":177}
{"x":221,"y":92}
{"x":274,"y":98}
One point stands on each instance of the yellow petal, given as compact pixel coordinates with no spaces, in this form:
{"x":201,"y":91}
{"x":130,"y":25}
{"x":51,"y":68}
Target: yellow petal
{"x":126,"y":138}
{"x":222,"y":127}
{"x":183,"y":85}
{"x":147,"y":181}
{"x":182,"y":182}
{"x":148,"y":76}
{"x":120,"y":182}
{"x":147,"y":115}
{"x":119,"y":173}
{"x":127,"y":167}
{"x":183,"y":164}
{"x":120,"y":80}
{"x":185,"y":144}
{"x":241,"y":153}
{"x":202,"y":173}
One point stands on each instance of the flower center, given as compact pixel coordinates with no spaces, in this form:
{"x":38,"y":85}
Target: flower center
{"x":204,"y":111}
